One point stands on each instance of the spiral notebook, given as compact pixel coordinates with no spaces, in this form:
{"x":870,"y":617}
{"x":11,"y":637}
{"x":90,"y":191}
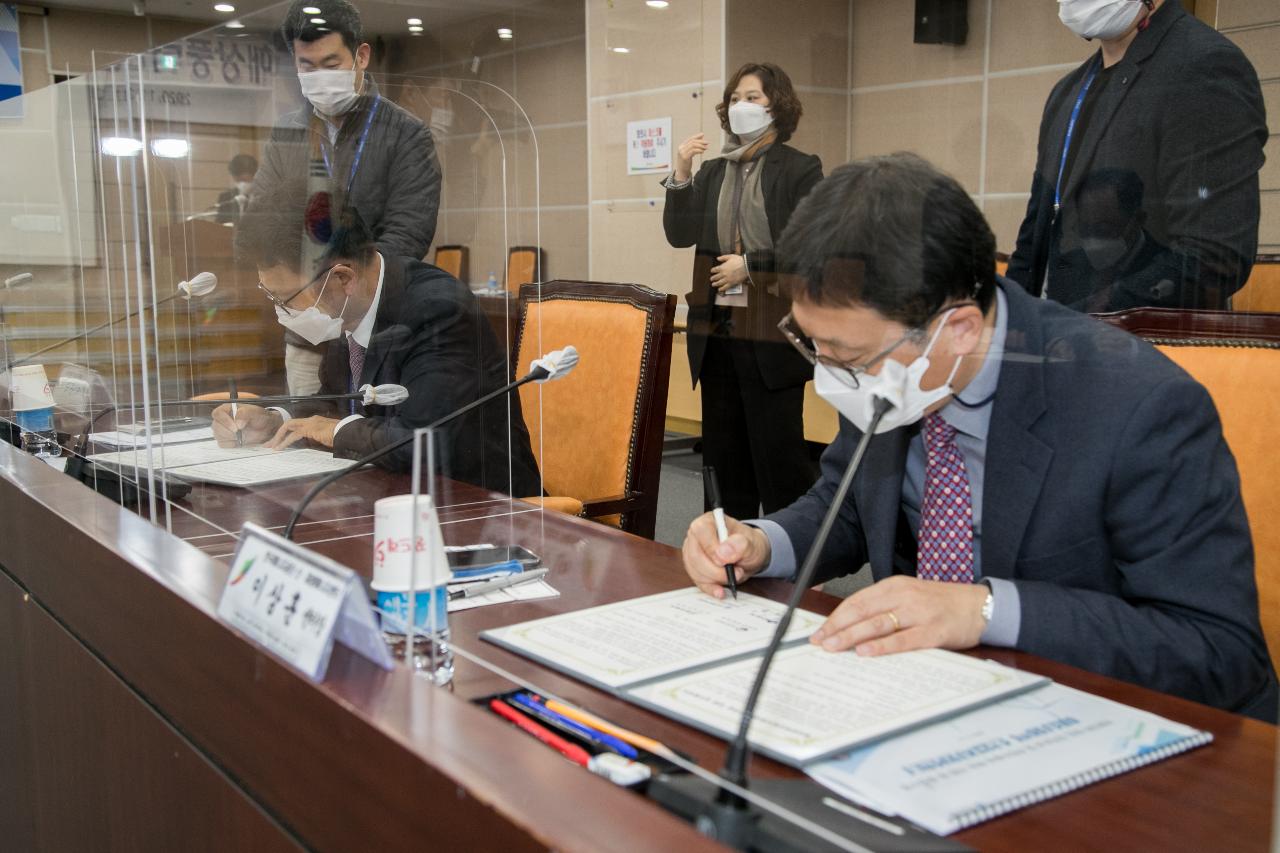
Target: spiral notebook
{"x":1003,"y":757}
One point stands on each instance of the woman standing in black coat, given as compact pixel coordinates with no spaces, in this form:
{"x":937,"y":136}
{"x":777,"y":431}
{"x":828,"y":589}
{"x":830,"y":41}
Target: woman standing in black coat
{"x":734,"y":212}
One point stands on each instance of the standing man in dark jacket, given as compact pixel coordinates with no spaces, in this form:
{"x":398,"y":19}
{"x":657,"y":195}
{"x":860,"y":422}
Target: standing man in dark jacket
{"x":734,"y":212}
{"x":1175,"y":109}
{"x":353,"y":148}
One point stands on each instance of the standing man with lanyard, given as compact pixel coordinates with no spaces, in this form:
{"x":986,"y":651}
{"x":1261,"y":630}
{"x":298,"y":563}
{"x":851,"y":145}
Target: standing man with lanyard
{"x":1146,"y":183}
{"x":350,"y":147}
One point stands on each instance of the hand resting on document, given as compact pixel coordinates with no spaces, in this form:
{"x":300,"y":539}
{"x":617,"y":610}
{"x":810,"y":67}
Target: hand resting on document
{"x":925,"y":614}
{"x":269,"y":429}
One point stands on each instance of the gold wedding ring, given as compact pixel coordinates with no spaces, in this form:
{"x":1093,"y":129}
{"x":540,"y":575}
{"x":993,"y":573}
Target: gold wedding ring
{"x":897,"y":626}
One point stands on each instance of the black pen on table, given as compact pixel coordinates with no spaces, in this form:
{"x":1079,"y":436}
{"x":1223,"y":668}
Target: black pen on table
{"x":231,"y":384}
{"x":713,"y":496}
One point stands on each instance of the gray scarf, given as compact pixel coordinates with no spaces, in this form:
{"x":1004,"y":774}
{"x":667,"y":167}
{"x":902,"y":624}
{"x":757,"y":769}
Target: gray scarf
{"x":740,"y":209}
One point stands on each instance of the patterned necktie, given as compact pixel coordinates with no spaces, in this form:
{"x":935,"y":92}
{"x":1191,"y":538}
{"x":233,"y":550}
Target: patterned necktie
{"x":355,"y":357}
{"x":946,"y":517}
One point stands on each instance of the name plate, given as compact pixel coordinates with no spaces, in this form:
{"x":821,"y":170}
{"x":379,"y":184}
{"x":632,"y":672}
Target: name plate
{"x":296,"y":603}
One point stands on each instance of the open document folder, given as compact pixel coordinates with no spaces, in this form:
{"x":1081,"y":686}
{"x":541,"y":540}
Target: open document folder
{"x":206,"y":462}
{"x":693,"y":657}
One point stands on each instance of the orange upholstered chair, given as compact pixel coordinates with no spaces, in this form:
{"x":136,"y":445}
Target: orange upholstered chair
{"x":456,"y":261}
{"x":525,"y":265}
{"x":1236,"y":355}
{"x":1002,"y":263}
{"x":598,"y":433}
{"x":1262,"y":291}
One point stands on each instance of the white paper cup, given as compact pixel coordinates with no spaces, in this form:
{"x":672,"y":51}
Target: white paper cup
{"x":394,"y":546}
{"x":29,"y":388}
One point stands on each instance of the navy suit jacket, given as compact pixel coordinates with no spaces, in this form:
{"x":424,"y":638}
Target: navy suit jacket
{"x":1110,"y":499}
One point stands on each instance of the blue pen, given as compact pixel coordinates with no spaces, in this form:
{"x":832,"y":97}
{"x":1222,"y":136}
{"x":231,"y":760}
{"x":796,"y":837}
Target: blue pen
{"x":511,"y":567}
{"x":626,"y":750}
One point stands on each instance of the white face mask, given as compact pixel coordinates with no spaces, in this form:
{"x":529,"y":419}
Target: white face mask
{"x":243,"y":187}
{"x":332,"y":91}
{"x":1099,"y":19}
{"x":313,"y":325}
{"x":896,"y":382}
{"x":748,"y":120}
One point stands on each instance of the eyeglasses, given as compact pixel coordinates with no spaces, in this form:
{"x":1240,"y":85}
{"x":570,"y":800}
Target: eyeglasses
{"x":284,"y":303}
{"x":846,"y":372}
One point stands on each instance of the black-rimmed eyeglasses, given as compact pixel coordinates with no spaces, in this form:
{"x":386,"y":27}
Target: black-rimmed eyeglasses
{"x":284,"y":303}
{"x":843,"y":371}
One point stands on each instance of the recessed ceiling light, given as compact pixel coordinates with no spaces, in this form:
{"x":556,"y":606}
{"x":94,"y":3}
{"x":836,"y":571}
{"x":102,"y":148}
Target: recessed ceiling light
{"x":415,"y":22}
{"x":311,"y":10}
{"x":170,"y":148}
{"x":505,"y":33}
{"x":415,"y":29}
{"x":656,"y":4}
{"x":235,"y":25}
{"x":416,"y":34}
{"x":223,"y":7}
{"x":620,"y":49}
{"x":120,"y":146}
{"x":318,"y":21}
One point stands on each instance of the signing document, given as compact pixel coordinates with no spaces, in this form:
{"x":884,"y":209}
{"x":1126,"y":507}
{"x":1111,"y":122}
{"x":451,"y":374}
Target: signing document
{"x":206,"y":462}
{"x":692,"y":657}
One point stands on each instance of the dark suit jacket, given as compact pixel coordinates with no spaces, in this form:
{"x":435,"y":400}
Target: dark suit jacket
{"x":1110,"y":499}
{"x":431,"y":337}
{"x":396,"y":187}
{"x":689,"y":219}
{"x":1183,"y":111}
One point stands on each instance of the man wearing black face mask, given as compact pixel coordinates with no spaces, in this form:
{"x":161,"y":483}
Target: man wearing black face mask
{"x":351,"y":144}
{"x":1177,"y":106}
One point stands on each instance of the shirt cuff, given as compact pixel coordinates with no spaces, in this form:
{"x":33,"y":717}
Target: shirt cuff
{"x":670,"y":182}
{"x":284,"y":413}
{"x":348,"y":419}
{"x":1006,"y":614}
{"x":782,"y":554}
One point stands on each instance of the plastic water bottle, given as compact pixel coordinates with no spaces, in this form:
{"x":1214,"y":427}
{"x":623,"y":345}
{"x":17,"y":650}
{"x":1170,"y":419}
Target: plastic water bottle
{"x":38,"y":435}
{"x":493,"y":284}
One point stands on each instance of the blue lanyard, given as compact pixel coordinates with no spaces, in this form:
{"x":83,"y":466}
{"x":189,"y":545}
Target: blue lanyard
{"x":1066,"y":143}
{"x":364,"y":136}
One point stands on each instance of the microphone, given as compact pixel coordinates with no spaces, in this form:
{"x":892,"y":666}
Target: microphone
{"x":199,"y":285}
{"x":722,"y":814}
{"x":553,"y":365}
{"x":369,"y":395}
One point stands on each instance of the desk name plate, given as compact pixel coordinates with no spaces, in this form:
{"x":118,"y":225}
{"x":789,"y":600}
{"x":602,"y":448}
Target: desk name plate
{"x":295,"y":603}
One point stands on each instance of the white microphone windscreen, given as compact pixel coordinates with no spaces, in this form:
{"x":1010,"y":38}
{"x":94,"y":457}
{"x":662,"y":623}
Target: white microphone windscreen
{"x":201,"y":284}
{"x":557,"y":363}
{"x":384,"y":395}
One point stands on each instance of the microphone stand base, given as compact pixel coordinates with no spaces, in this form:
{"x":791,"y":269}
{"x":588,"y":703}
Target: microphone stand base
{"x":699,"y":802}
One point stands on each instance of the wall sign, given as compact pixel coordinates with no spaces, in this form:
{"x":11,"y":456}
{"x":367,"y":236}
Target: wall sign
{"x":649,"y":146}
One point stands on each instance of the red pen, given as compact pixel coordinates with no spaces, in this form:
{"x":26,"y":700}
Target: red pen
{"x":571,"y":751}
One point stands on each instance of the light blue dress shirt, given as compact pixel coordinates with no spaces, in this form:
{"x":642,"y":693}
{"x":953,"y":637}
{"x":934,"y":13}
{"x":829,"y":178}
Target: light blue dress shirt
{"x":971,"y":424}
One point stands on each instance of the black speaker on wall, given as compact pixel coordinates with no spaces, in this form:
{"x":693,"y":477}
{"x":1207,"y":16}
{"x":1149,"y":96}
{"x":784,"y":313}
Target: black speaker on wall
{"x":942,"y":21}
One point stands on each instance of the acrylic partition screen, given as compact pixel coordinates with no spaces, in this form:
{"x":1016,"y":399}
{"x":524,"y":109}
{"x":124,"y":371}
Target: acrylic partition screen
{"x":181,"y":226}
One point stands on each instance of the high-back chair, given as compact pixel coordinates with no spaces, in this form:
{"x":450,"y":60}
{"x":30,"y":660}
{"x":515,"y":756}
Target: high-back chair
{"x":456,"y":261}
{"x":598,"y":439}
{"x":1262,"y":291}
{"x":525,"y":265}
{"x":1236,"y":355}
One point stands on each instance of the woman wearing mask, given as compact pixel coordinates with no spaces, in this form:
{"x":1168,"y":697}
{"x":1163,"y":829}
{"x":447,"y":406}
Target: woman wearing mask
{"x":734,"y":212}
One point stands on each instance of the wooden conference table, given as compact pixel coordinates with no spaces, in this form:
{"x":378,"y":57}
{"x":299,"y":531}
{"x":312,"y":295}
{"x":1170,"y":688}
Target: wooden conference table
{"x":134,"y":719}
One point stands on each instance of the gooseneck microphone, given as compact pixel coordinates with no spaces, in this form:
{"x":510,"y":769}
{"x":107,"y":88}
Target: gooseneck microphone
{"x":369,"y":395}
{"x":199,"y":285}
{"x":552,"y":366}
{"x":718,"y":812}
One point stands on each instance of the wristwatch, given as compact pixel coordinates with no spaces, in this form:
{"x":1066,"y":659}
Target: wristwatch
{"x":989,"y":605}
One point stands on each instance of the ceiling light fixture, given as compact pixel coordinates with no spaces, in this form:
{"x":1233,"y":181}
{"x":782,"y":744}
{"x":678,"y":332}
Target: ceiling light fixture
{"x":620,"y":49}
{"x":311,"y":10}
{"x":505,"y":33}
{"x":318,"y":21}
{"x":235,"y":25}
{"x":120,"y":146}
{"x":223,"y":7}
{"x":173,"y":149}
{"x":415,"y":22}
{"x":415,"y":29}
{"x":656,"y":4}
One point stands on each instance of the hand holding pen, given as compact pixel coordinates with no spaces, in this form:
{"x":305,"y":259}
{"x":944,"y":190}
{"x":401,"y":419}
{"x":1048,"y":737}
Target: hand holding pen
{"x":713,"y":497}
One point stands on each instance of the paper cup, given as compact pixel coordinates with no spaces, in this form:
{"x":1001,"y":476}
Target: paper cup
{"x":29,"y":388}
{"x":394,"y":549}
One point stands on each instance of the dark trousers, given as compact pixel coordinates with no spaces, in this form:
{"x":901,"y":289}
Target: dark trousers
{"x":751,"y":435}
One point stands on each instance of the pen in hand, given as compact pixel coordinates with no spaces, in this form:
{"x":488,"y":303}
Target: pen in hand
{"x":231,"y":384}
{"x":713,"y":497}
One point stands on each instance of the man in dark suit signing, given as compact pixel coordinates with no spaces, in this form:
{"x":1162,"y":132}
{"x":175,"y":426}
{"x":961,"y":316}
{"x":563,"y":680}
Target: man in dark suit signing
{"x":383,"y":320}
{"x":1043,"y":482}
{"x":1175,"y":108}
